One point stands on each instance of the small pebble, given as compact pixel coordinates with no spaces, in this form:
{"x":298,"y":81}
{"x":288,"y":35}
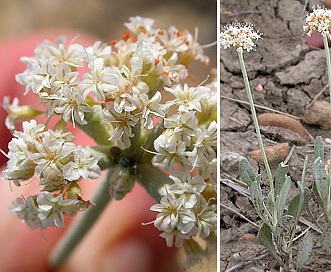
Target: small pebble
{"x":237,"y":256}
{"x":237,"y":85}
{"x":259,"y":88}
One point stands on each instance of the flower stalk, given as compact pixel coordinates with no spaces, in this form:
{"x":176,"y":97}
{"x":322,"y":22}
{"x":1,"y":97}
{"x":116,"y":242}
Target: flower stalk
{"x":83,"y":224}
{"x":328,"y":61}
{"x":257,"y":128}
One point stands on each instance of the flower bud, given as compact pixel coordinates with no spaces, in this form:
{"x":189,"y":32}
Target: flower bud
{"x":121,"y":182}
{"x":17,"y":113}
{"x":74,"y":190}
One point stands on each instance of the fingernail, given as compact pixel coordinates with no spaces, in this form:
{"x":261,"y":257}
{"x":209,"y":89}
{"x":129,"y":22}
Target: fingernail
{"x":128,"y":256}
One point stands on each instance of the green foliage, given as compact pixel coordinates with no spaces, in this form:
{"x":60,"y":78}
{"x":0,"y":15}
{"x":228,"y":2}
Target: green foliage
{"x":246,"y":172}
{"x":321,"y":188}
{"x":265,"y":238}
{"x":278,"y":228}
{"x":305,"y":249}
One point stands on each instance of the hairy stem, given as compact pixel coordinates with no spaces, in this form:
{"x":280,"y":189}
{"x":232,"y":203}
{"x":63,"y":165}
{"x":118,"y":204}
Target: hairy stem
{"x":83,"y":224}
{"x":328,"y":61}
{"x":258,"y":133}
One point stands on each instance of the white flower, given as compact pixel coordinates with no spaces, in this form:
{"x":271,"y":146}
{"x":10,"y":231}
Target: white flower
{"x":139,"y":24}
{"x":27,"y":211}
{"x":173,"y":40}
{"x":174,"y":219}
{"x":240,"y":36}
{"x":72,"y":55}
{"x":168,"y":209}
{"x":184,"y":125}
{"x":37,"y":76}
{"x":183,"y":42}
{"x":101,"y":80}
{"x":83,"y":166}
{"x":50,"y":60}
{"x":186,"y":186}
{"x":319,"y":20}
{"x":20,"y":166}
{"x":174,"y":237}
{"x":52,"y":209}
{"x":151,"y":107}
{"x":203,"y":149}
{"x":187,"y":98}
{"x":51,"y":156}
{"x":169,"y":152}
{"x":98,"y":50}
{"x":206,"y":218}
{"x":122,"y":123}
{"x":72,"y":105}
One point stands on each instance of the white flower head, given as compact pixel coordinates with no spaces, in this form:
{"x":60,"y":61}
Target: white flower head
{"x":240,"y":36}
{"x":319,"y":20}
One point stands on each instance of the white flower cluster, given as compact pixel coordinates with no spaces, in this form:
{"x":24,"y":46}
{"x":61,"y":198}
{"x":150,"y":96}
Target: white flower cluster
{"x":124,"y":84}
{"x":183,"y":211}
{"x":45,"y":210}
{"x":240,"y":36}
{"x":124,"y":78}
{"x":319,"y":20}
{"x":187,"y":146}
{"x":51,"y":157}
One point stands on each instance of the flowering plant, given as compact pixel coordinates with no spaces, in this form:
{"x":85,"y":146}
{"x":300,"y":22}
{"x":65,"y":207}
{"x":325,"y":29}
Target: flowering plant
{"x":277,"y":232}
{"x":119,"y":102}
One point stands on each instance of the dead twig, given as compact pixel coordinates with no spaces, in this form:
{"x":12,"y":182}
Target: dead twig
{"x":240,"y":215}
{"x":316,"y":96}
{"x":289,"y":155}
{"x":247,"y":262}
{"x":261,"y":107}
{"x":231,"y":14}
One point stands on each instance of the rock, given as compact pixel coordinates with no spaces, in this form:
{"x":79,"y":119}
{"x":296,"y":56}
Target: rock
{"x":230,"y":161}
{"x":319,"y":114}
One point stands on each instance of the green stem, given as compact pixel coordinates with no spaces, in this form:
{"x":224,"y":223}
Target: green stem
{"x":153,"y":180}
{"x":97,"y":127}
{"x":257,"y":129}
{"x":328,"y":61}
{"x":83,"y":224}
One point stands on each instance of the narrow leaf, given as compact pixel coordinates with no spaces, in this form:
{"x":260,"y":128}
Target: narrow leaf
{"x":280,"y":177}
{"x":319,"y":148}
{"x":257,"y":200}
{"x":321,"y":181}
{"x":304,"y":171}
{"x":264,"y":238}
{"x":298,"y":204}
{"x":283,"y":195}
{"x":305,"y":249}
{"x":246,"y":172}
{"x":284,"y":229}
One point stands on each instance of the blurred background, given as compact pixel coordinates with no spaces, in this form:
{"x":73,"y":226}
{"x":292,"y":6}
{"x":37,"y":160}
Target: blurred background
{"x":105,"y":18}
